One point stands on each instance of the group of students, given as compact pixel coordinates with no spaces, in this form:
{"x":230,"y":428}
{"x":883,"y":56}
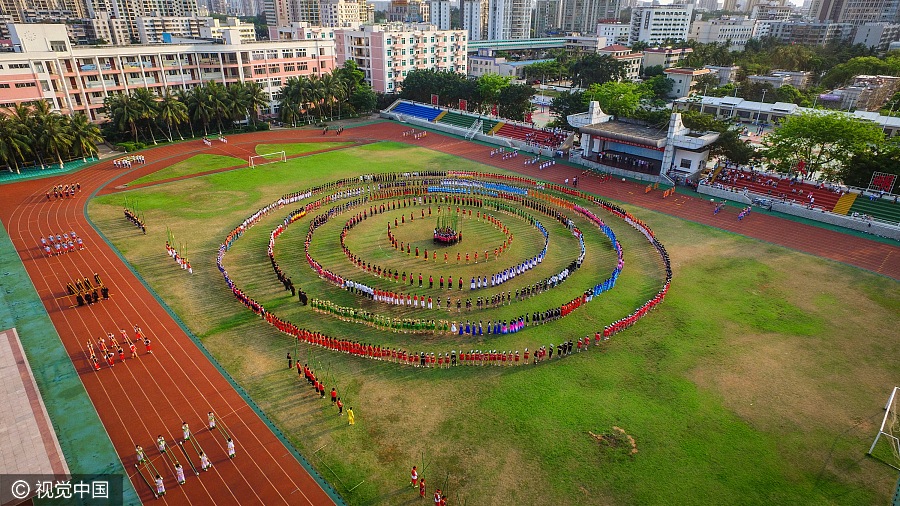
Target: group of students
{"x":182,"y":262}
{"x":61,"y":243}
{"x":135,"y":220}
{"x":63,"y":191}
{"x":165,"y":449}
{"x":109,"y":348}
{"x":419,"y":481}
{"x":85,"y":291}
{"x":314,"y":381}
{"x":125,"y":162}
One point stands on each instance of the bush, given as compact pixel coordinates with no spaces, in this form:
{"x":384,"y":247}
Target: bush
{"x":131,"y":146}
{"x":262,"y":126}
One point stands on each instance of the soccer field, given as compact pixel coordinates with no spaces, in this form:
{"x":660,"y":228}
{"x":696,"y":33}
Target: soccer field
{"x":759,"y":380}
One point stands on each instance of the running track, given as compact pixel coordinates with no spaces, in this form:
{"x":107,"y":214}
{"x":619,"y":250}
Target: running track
{"x":153,"y":394}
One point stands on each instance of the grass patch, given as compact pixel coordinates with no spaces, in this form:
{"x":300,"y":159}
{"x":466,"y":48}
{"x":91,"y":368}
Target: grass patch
{"x":193,"y":165}
{"x":298,"y":148}
{"x":760,"y":380}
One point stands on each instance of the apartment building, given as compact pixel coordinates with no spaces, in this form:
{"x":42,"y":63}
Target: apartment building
{"x":151,"y":30}
{"x":475,"y":18}
{"x":615,"y":32}
{"x":684,"y":79}
{"x":811,"y":34}
{"x":665,"y":57}
{"x":439,"y":11}
{"x":386,"y":53}
{"x":509,"y":19}
{"x":736,"y":31}
{"x":631,"y":60}
{"x":72,"y":79}
{"x":338,"y":13}
{"x":657,"y":24}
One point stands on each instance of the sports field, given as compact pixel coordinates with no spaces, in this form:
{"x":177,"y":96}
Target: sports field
{"x":759,"y":380}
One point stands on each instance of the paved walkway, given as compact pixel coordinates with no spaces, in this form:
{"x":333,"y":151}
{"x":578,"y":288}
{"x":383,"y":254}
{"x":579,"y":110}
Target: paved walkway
{"x":28,"y":444}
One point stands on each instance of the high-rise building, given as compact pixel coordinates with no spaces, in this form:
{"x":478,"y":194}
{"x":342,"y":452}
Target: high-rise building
{"x":475,"y":18}
{"x":440,"y":14}
{"x":657,"y":24}
{"x":614,"y":31}
{"x":387,"y":53}
{"x":735,"y":31}
{"x":856,"y":12}
{"x":582,"y":16}
{"x":547,"y":17}
{"x":509,"y":19}
{"x":338,"y":13}
{"x":811,"y":34}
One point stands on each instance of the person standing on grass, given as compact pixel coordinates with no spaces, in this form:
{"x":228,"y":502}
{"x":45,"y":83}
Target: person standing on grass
{"x":290,"y":360}
{"x":333,"y":396}
{"x":422,"y":488}
{"x":414,"y":476}
{"x":340,"y":406}
{"x":350,"y":417}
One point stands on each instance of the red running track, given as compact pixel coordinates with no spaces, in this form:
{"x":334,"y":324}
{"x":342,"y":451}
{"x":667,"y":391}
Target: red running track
{"x":154,"y":393}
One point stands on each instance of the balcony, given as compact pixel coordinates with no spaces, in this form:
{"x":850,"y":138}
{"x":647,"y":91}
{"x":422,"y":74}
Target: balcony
{"x":210,"y":76}
{"x":100,"y":84}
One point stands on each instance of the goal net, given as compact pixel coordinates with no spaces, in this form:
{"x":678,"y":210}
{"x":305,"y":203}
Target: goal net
{"x":278,"y":156}
{"x":886,"y":446}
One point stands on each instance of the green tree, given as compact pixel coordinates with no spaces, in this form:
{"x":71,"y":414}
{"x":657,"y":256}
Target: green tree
{"x":660,"y":86}
{"x":729,"y":144}
{"x":14,"y":142}
{"x":567,"y":103}
{"x":514,"y":101}
{"x":883,"y":157}
{"x":824,"y":141}
{"x":788,"y":94}
{"x":489,"y":88}
{"x":85,"y":135}
{"x":172,"y":111}
{"x":125,"y":113}
{"x":363,"y":99}
{"x":596,"y":69}
{"x":653,"y":71}
{"x":55,"y":137}
{"x":619,"y":99}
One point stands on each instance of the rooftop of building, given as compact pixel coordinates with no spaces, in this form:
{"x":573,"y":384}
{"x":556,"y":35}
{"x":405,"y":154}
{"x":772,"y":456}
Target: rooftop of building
{"x":668,"y":50}
{"x":784,"y":108}
{"x":629,"y":132}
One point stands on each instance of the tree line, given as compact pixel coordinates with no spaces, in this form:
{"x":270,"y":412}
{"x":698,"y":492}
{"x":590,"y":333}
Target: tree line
{"x":32,"y":134}
{"x":512,"y":100}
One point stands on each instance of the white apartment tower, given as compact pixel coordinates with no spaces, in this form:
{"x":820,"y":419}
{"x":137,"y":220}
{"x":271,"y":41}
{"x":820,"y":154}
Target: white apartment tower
{"x":657,"y":24}
{"x":339,"y":13}
{"x":440,"y":14}
{"x":509,"y":19}
{"x":475,"y":18}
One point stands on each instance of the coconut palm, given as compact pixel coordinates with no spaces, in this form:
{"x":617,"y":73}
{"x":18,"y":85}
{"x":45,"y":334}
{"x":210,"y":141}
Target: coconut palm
{"x":125,"y":112}
{"x":85,"y":135}
{"x":236,"y":103}
{"x":172,"y":111}
{"x":218,"y":100}
{"x":201,"y":107}
{"x":54,"y":137}
{"x":332,"y":89}
{"x":184,"y":96}
{"x":257,"y":98}
{"x":14,"y":141}
{"x":146,"y":101}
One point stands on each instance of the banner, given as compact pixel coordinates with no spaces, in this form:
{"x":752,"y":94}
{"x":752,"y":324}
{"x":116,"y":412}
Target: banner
{"x":528,"y":117}
{"x":463,"y":104}
{"x":494,"y":109}
{"x":434,"y":99}
{"x":882,"y":182}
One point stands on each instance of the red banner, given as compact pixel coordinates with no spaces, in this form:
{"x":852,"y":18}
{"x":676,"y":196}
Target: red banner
{"x":463,"y":104}
{"x":434,"y":99}
{"x":494,"y":109}
{"x":527,"y":117}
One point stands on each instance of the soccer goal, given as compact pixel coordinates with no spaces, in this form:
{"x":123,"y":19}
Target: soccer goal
{"x":278,"y":156}
{"x":886,"y":446}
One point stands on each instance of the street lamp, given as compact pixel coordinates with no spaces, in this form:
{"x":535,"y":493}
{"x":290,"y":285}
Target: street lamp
{"x":759,"y":112}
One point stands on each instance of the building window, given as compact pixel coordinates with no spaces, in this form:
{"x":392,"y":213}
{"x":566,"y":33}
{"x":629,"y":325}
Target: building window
{"x":6,"y":85}
{"x":58,"y":46}
{"x":25,"y":85}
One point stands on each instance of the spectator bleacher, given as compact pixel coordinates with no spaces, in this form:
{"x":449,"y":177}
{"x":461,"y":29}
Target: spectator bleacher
{"x":426,"y":112}
{"x":882,"y":209}
{"x":778,"y":188}
{"x":534,"y":136}
{"x":457,"y":119}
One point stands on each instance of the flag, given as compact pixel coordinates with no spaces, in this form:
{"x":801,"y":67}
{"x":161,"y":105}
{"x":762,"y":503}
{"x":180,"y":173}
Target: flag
{"x":494,"y":109}
{"x":528,"y":117}
{"x":463,"y":104}
{"x":434,"y":99}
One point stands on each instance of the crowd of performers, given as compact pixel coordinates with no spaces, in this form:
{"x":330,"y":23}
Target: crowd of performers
{"x":108,"y":349}
{"x":135,"y":220}
{"x":61,"y":243}
{"x":182,"y":262}
{"x":125,"y":162}
{"x":63,"y":191}
{"x":188,"y":446}
{"x":87,"y":291}
{"x":404,"y":191}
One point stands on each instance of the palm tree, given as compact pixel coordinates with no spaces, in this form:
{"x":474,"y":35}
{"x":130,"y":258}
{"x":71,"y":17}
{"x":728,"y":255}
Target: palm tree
{"x":125,"y":113}
{"x":183,"y":96}
{"x":171,"y":111}
{"x":54,"y":137}
{"x":236,"y":103}
{"x":202,"y":107}
{"x":332,"y":90}
{"x":257,"y":98}
{"x":218,"y":101}
{"x":315,"y":94}
{"x":85,"y":135}
{"x":14,"y":141}
{"x":290,"y":101}
{"x":146,"y":101}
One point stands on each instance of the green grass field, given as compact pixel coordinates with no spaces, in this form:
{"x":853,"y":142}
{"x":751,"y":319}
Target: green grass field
{"x":760,"y":380}
{"x":193,"y":165}
{"x":298,"y":148}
